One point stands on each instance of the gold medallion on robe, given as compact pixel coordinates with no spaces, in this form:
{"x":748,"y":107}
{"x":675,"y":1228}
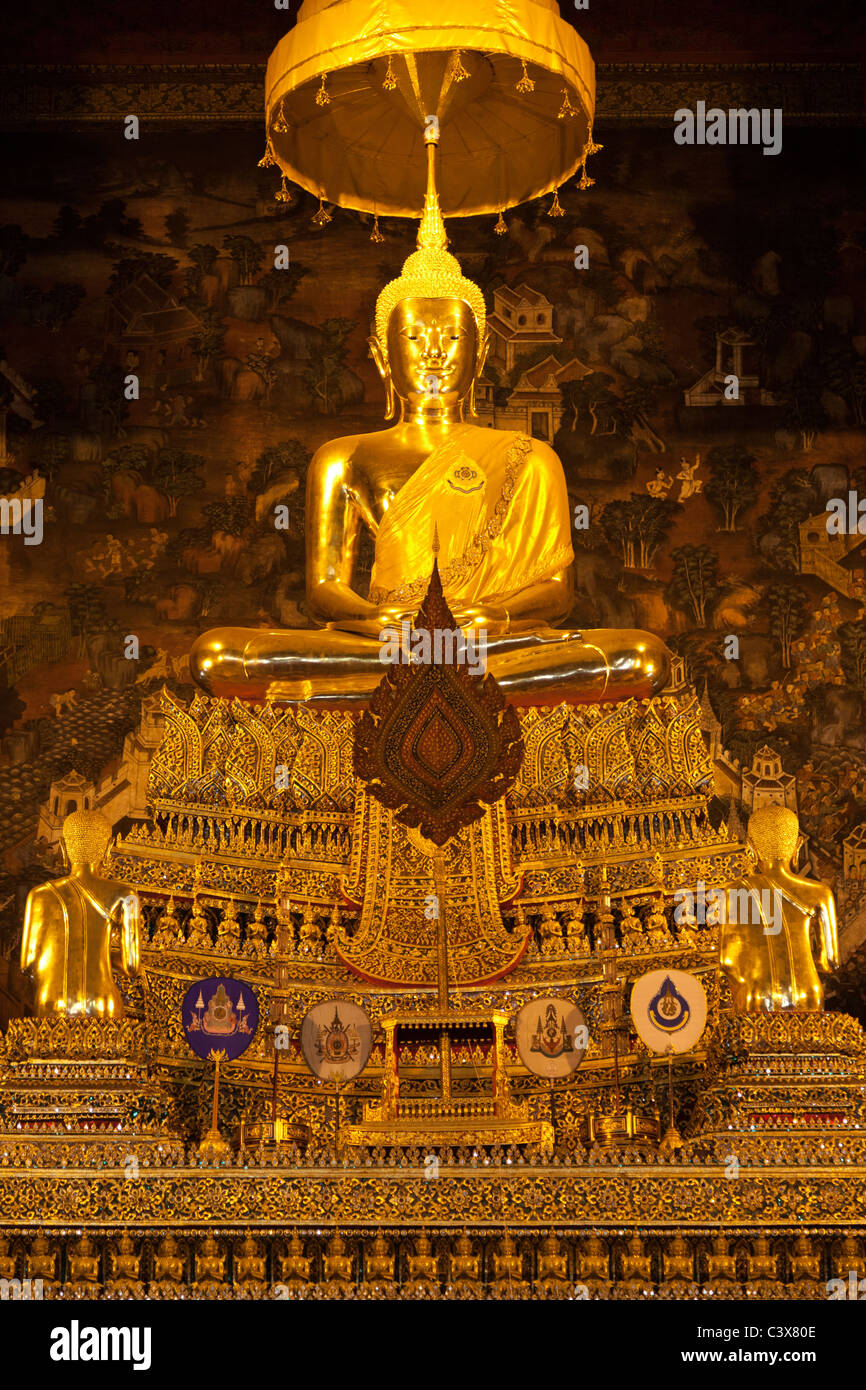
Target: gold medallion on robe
{"x":465,"y":476}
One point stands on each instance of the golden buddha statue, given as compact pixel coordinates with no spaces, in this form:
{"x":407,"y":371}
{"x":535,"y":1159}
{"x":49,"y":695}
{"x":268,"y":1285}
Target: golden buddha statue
{"x":8,"y":1263}
{"x":631,"y":932}
{"x":309,"y":934}
{"x":576,"y":934}
{"x":68,"y":925}
{"x":423,"y":1266}
{"x":593,"y":1261}
{"x":762,"y":1264}
{"x":552,"y":1262}
{"x":169,"y":1263}
{"x":210,"y":1263}
{"x":549,"y":929}
{"x":786,"y":930}
{"x":805,"y":1261}
{"x":336,"y":1263}
{"x":250,"y":1263}
{"x":686,"y":925}
{"x":380,"y":1261}
{"x":720,"y":1264}
{"x":332,"y":928}
{"x":658,"y":935}
{"x":848,"y":1256}
{"x":83,"y":1261}
{"x":497,"y":499}
{"x":465,"y":1265}
{"x":256,"y":944}
{"x":677,"y":1260}
{"x":507,"y":1261}
{"x":41,"y":1259}
{"x":295,"y":1265}
{"x":636,"y":1263}
{"x":198,"y":930}
{"x":125,"y":1264}
{"x":168,"y":929}
{"x":228,"y":931}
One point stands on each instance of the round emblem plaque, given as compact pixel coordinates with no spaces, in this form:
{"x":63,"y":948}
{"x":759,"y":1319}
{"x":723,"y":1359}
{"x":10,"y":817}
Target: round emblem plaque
{"x":669,"y":1008}
{"x":220,"y":1015}
{"x":336,"y":1037}
{"x":551,"y":1036}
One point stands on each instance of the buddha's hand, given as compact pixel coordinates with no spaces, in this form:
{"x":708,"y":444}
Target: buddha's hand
{"x":481,"y":616}
{"x":377,"y":622}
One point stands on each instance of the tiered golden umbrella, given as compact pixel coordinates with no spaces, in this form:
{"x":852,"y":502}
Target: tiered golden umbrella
{"x":353,"y":86}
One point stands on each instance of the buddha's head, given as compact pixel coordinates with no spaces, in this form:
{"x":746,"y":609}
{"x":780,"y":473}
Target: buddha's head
{"x":86,"y":836}
{"x":773,"y":834}
{"x":430,"y":343}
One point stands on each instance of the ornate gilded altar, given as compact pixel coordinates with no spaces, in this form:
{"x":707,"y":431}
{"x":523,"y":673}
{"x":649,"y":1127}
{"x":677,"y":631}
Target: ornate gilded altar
{"x":766,"y":1091}
{"x":270,"y":854}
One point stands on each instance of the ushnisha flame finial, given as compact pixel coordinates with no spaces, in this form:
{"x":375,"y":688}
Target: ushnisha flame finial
{"x":431,"y":272}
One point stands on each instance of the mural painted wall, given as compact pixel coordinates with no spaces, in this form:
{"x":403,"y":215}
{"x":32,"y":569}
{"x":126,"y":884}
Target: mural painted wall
{"x":617,"y":330}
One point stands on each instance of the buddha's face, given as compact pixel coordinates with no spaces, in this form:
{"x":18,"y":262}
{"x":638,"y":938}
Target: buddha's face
{"x":432,"y":352}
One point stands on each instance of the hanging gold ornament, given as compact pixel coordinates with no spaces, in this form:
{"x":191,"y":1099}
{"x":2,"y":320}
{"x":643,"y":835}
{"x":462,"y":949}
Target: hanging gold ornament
{"x":585,"y":181}
{"x":322,"y":98}
{"x":496,"y":146}
{"x":376,"y":235}
{"x":322,"y":217}
{"x":566,"y":109}
{"x":457,"y":71}
{"x":501,"y":225}
{"x":281,"y":125}
{"x":267,"y":160}
{"x":591,"y":146}
{"x":555,"y":210}
{"x":526,"y":83}
{"x":283,"y":193}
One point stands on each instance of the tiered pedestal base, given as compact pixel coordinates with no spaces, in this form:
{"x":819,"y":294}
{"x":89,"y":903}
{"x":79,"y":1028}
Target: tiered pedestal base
{"x":786,"y":1073}
{"x":68,"y":1083}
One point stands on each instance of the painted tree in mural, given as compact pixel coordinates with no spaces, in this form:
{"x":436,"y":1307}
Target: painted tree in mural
{"x":203,"y":257}
{"x":247,"y":256}
{"x":290,"y":455}
{"x":787,"y":609}
{"x":176,"y":474}
{"x":792,"y":501}
{"x":638,"y":527}
{"x":695,"y":584}
{"x":733,"y":484}
{"x":846,"y":375}
{"x":802,"y":409}
{"x":130,"y":266}
{"x":208,"y":344}
{"x":327,"y":363}
{"x":282,"y":285}
{"x":231,"y":515}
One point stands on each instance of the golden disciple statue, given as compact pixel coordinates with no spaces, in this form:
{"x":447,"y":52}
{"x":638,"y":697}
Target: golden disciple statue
{"x":780,"y":929}
{"x":496,"y":498}
{"x":68,"y":924}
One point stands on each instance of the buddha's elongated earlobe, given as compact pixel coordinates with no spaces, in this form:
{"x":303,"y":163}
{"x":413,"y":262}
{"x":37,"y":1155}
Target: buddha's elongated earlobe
{"x":380,"y":357}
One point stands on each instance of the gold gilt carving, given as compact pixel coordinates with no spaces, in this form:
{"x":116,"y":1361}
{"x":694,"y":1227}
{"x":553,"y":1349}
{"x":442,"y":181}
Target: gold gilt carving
{"x":220,"y":755}
{"x":437,"y":743}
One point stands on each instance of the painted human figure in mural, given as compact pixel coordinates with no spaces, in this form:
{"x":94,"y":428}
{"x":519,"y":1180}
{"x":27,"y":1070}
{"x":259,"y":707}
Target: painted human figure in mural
{"x":691,"y":484}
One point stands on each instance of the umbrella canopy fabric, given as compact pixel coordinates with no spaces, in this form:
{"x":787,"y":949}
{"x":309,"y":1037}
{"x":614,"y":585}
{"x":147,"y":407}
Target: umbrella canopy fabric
{"x":351,"y":89}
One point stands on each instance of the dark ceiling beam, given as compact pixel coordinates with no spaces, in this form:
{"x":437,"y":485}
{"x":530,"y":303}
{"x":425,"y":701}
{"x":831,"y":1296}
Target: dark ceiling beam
{"x":40,"y":97}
